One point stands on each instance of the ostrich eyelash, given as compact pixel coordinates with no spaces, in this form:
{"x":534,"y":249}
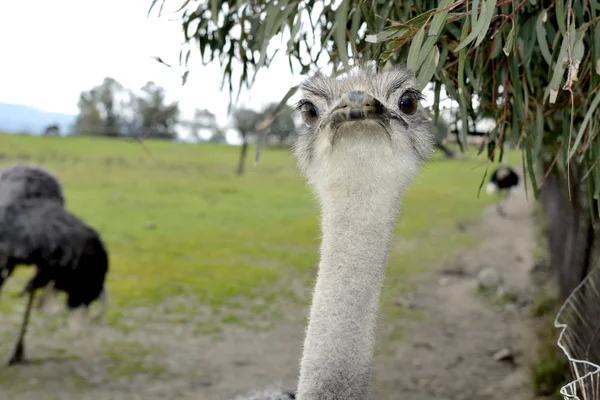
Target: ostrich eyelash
{"x":300,"y":103}
{"x":420,"y":96}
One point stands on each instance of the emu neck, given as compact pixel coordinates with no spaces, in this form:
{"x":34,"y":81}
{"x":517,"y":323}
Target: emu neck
{"x":357,"y":229}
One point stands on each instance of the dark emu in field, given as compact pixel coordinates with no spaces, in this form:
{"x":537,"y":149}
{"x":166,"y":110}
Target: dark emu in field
{"x":23,"y":181}
{"x":27,"y":181}
{"x":36,"y":229}
{"x":503,"y":181}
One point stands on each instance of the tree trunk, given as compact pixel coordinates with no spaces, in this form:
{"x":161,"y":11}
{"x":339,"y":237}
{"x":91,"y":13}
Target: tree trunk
{"x":570,"y":230}
{"x":572,"y":237}
{"x":243,"y":150}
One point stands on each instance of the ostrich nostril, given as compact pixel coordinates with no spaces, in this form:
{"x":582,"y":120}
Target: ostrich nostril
{"x":356,"y":96}
{"x":356,"y":113}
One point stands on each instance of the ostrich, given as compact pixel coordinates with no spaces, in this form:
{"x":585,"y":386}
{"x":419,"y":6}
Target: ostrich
{"x":23,"y":181}
{"x":65,"y":250}
{"x":364,"y":144}
{"x":503,"y":181}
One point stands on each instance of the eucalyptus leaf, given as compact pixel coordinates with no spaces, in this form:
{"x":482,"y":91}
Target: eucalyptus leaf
{"x":476,"y":28}
{"x":413,"y":52}
{"x":428,"y":69}
{"x":541,"y":37}
{"x":439,"y":19}
{"x":507,"y":49}
{"x":214,"y":15}
{"x":340,"y":32}
{"x":486,"y":16}
{"x":588,"y":115}
{"x":559,"y":68}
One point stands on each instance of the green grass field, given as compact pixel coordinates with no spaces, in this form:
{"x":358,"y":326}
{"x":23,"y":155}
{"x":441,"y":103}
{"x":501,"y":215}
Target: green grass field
{"x":178,"y":222}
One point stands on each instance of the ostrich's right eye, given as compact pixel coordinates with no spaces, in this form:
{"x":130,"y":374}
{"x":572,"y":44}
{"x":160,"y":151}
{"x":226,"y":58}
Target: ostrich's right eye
{"x":408,"y":103}
{"x":309,"y":112}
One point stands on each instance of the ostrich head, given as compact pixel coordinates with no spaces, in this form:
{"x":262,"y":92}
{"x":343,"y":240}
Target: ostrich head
{"x":364,"y":129}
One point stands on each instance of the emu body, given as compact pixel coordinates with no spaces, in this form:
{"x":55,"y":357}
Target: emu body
{"x":502,"y":182}
{"x":27,"y":181}
{"x":66,"y":252}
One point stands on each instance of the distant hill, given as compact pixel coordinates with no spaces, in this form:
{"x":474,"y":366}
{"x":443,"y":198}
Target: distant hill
{"x":22,"y":118}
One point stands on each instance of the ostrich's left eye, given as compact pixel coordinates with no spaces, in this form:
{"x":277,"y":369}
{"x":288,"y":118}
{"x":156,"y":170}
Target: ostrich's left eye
{"x":408,"y":103}
{"x":309,"y":112}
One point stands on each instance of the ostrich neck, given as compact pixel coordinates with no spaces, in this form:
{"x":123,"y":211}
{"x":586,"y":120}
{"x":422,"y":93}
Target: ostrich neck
{"x":340,"y":339}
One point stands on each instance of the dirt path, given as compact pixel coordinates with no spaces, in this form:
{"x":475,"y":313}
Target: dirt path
{"x":449,"y":354}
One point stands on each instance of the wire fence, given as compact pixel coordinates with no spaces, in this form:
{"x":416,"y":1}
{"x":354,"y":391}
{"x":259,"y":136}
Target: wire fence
{"x":579,"y":321}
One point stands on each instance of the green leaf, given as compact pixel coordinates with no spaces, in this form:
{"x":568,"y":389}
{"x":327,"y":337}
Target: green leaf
{"x":413,"y":51}
{"x":482,"y":24}
{"x":436,"y":101}
{"x":531,"y":171}
{"x":540,"y":31}
{"x":443,"y":54}
{"x":293,"y":32}
{"x":419,"y":20}
{"x":559,"y":68}
{"x":539,"y":130}
{"x":434,"y":32}
{"x":509,"y":42}
{"x":425,"y":51}
{"x":489,"y":14}
{"x":586,"y":120}
{"x":272,"y":25}
{"x":462,"y":56}
{"x":383,"y":36}
{"x":428,"y":69}
{"x":152,"y":7}
{"x":597,"y":180}
{"x":561,"y":16}
{"x":596,"y":52}
{"x":474,"y":12}
{"x":439,"y":19}
{"x":579,"y":48}
{"x":497,"y":46}
{"x":340,"y":32}
{"x":356,"y":22}
{"x":214,"y":11}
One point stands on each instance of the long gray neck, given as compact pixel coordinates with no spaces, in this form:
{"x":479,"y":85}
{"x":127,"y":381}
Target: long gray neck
{"x":340,"y":339}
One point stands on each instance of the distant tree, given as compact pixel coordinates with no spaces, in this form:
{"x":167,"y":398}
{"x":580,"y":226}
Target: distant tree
{"x":154,"y":117}
{"x":218,"y":136}
{"x":99,"y":113}
{"x":203,"y":120}
{"x":52,"y":130}
{"x":89,"y":121}
{"x":282,"y":125}
{"x":112,"y":110}
{"x":245,"y":121}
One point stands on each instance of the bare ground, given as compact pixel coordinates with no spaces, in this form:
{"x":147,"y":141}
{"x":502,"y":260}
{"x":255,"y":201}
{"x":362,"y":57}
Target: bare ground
{"x":450,"y":355}
{"x":447,"y":354}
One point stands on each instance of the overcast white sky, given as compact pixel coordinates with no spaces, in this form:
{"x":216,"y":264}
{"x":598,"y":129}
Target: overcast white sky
{"x":52,"y":50}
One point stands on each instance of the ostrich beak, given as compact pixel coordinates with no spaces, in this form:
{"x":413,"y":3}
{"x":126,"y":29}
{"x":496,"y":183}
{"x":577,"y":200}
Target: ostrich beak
{"x":356,"y":106}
